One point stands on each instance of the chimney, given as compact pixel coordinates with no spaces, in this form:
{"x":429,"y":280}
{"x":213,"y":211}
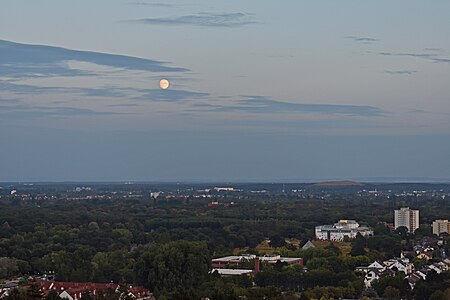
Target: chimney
{"x":257,"y":267}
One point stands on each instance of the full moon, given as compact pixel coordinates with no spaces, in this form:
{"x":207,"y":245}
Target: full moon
{"x":164,"y":84}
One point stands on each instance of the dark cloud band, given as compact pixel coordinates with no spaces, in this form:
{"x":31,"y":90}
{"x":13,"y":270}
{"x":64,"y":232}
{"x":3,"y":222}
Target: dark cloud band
{"x":24,"y":60}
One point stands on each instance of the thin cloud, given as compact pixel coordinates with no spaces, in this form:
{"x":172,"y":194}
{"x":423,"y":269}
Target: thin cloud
{"x":123,"y":105}
{"x":203,"y":20}
{"x":169,"y":95}
{"x":109,"y":92}
{"x":362,"y":39}
{"x":24,"y":60}
{"x":441,"y":60}
{"x":421,"y":111}
{"x":23,"y":110}
{"x":152,"y":4}
{"x":400,"y":72}
{"x":103,"y":92}
{"x":427,"y":56}
{"x":8,"y":100}
{"x":148,"y":95}
{"x":260,"y":104}
{"x":72,"y":111}
{"x":29,"y":89}
{"x":420,"y":55}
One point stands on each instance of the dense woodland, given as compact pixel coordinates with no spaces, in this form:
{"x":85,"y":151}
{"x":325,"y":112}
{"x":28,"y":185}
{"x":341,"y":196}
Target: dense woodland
{"x":167,"y":245}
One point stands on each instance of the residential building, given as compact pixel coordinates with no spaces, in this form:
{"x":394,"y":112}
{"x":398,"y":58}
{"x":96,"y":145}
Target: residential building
{"x":425,"y":255}
{"x":370,"y":276}
{"x":388,"y":268}
{"x":406,"y":217}
{"x":399,"y":265}
{"x":344,"y":228}
{"x":75,"y":290}
{"x":403,"y":265}
{"x":441,"y":226}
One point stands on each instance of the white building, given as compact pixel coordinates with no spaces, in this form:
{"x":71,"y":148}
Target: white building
{"x":239,"y":260}
{"x":441,"y":226}
{"x":372,"y":272}
{"x":406,"y":217}
{"x":344,"y":228}
{"x":389,"y":267}
{"x":400,"y":265}
{"x":370,"y":276}
{"x":232,"y":272}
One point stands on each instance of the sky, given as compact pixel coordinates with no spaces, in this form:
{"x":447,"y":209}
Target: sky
{"x":271,"y":91}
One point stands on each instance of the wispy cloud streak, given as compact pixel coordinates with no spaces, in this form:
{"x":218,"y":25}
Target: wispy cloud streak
{"x":170,"y":95}
{"x":147,"y":95}
{"x":202,"y":19}
{"x":362,"y":39}
{"x":152,"y":4}
{"x":28,"y":89}
{"x":427,"y":56}
{"x":400,"y":72}
{"x":22,"y":110}
{"x":260,"y":104}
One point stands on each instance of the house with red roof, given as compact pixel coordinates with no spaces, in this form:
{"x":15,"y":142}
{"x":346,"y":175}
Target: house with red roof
{"x":75,"y":290}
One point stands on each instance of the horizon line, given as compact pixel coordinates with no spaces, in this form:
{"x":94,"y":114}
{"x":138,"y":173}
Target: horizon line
{"x":374,"y":180}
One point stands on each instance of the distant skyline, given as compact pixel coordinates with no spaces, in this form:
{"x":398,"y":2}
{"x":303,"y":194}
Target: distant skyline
{"x":259,"y":91}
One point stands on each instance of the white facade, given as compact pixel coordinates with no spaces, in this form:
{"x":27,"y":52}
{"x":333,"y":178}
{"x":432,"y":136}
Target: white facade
{"x":399,"y":265}
{"x":377,"y":265}
{"x":441,"y":226}
{"x":344,"y":228}
{"x":232,"y":272}
{"x":370,"y":276}
{"x":406,"y":217}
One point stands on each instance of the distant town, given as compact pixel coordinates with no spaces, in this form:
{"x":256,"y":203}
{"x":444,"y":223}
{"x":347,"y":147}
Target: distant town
{"x":224,"y":241}
{"x":167,"y":191}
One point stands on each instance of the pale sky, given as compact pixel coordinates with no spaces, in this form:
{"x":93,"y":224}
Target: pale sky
{"x":260,"y":90}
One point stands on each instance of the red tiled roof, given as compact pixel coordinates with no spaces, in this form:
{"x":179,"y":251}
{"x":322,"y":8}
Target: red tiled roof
{"x":77,"y":288}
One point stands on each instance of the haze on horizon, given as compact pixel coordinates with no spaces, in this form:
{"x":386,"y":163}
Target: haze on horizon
{"x":259,"y":91}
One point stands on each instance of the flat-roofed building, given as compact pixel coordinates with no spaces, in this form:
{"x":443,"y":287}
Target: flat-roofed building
{"x":237,"y":260}
{"x":406,"y":217}
{"x":340,"y":230}
{"x":240,"y":261}
{"x":232,"y":272}
{"x":441,"y":226}
{"x":273,"y":259}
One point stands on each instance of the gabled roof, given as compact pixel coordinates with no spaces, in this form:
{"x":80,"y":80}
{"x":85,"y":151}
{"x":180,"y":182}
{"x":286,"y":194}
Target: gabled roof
{"x":308,"y":245}
{"x":376,"y":264}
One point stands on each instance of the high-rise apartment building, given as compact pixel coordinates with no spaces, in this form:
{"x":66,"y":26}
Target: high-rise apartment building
{"x":406,"y":217}
{"x":441,"y":226}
